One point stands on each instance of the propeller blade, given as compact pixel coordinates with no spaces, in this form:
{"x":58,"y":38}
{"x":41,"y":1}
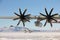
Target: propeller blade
{"x":27,"y":15}
{"x":18,"y":22}
{"x":54,"y":19}
{"x":27,"y":20}
{"x":54,"y":15}
{"x":20,"y":11}
{"x":16,"y":14}
{"x":46,"y":11}
{"x":45,"y":23}
{"x":23,"y":23}
{"x":51,"y":11}
{"x":50,"y":24}
{"x":43,"y":14}
{"x":15,"y":18}
{"x":24,"y":11}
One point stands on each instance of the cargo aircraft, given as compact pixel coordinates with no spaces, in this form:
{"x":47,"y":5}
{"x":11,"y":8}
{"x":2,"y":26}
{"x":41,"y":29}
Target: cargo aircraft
{"x":22,"y":17}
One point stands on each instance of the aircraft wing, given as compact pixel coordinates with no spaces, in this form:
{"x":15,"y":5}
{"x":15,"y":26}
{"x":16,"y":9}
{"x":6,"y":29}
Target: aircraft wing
{"x":31,"y":17}
{"x":57,"y":17}
{"x":8,"y":17}
{"x":12,"y":17}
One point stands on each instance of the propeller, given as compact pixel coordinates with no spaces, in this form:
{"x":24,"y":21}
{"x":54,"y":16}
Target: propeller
{"x":22,"y":17}
{"x":49,"y":17}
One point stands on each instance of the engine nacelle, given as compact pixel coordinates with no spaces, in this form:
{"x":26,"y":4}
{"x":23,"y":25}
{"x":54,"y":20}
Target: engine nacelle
{"x":38,"y":24}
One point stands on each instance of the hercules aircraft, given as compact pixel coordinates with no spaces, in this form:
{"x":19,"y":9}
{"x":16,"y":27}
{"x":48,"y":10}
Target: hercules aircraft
{"x":26,"y":18}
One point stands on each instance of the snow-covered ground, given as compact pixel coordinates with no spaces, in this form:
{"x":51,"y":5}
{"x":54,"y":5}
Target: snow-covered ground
{"x":21,"y":33}
{"x":30,"y":36}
